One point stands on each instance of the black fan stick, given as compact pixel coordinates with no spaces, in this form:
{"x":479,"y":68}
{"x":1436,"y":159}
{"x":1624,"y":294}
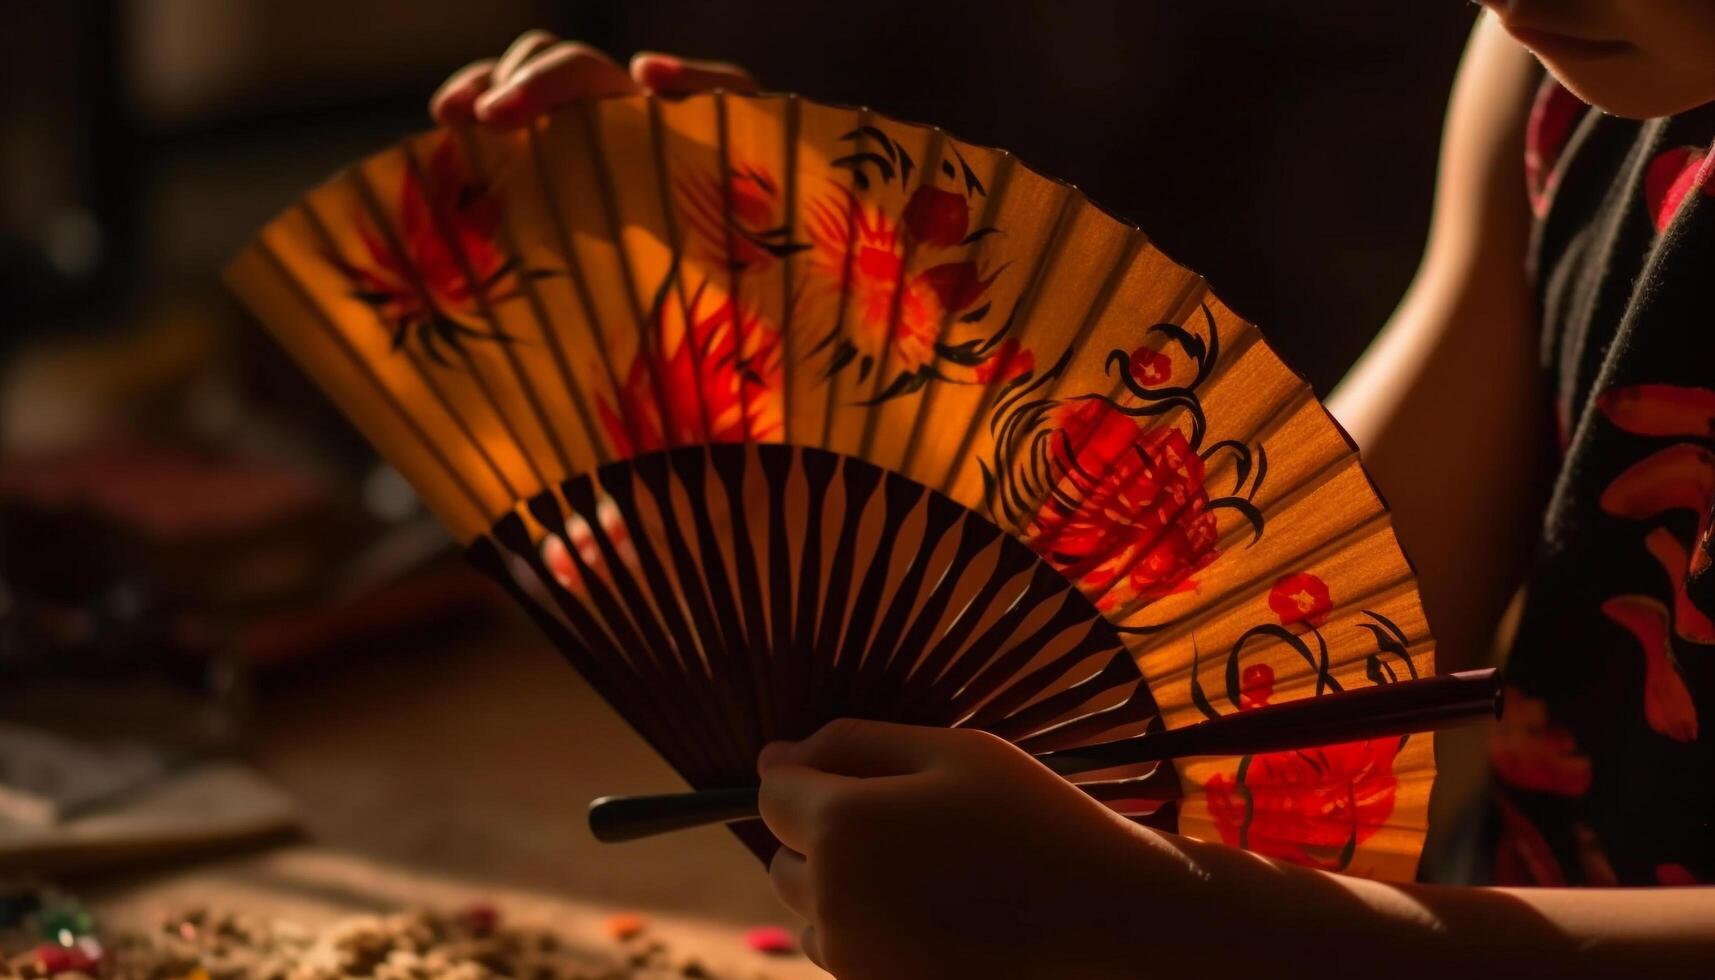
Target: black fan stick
{"x":1429,"y":704}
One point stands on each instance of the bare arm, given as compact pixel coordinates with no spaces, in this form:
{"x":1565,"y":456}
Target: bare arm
{"x":1445,"y":405}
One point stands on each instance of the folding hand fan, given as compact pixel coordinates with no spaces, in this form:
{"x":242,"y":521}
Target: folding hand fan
{"x":771,"y":412}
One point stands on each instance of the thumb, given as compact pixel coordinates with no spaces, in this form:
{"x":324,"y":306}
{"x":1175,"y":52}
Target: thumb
{"x":671,"y":75}
{"x":859,"y":747}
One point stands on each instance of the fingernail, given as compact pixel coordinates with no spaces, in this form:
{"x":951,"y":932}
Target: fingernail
{"x":491,"y":105}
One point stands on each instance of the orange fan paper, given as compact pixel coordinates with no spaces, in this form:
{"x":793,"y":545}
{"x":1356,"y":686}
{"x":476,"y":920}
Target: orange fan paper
{"x":771,"y":412}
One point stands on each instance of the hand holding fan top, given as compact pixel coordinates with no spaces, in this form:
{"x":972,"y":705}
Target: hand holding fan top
{"x":771,"y":411}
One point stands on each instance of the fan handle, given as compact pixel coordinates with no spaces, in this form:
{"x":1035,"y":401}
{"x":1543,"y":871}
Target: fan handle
{"x":1403,"y":708}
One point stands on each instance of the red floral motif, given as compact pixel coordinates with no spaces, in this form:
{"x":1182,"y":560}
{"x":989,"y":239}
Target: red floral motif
{"x":937,"y":217}
{"x":1130,"y":520}
{"x":1667,"y":701}
{"x":1300,"y":598}
{"x":1308,"y":806}
{"x":1660,"y":410}
{"x":756,"y":208}
{"x":445,"y":200}
{"x":1151,"y":368}
{"x":1530,"y":752}
{"x":1671,"y":176}
{"x":1008,"y":362}
{"x":710,"y":376}
{"x":872,"y":281}
{"x":1256,"y":686}
{"x":1550,"y":126}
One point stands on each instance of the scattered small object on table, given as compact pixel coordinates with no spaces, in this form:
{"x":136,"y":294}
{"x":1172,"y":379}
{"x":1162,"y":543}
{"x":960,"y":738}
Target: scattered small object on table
{"x":473,"y":943}
{"x":770,"y":939}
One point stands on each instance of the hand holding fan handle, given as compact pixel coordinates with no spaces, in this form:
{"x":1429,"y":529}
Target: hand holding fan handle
{"x":1403,"y":708}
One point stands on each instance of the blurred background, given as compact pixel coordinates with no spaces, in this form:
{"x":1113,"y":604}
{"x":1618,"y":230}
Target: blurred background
{"x":199,"y":559}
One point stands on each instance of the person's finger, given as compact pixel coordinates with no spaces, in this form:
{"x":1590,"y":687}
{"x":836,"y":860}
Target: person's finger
{"x":859,"y":747}
{"x":811,"y":944}
{"x":526,"y":46}
{"x":673,"y":75}
{"x":563,"y":74}
{"x":454,"y":101}
{"x":794,"y":800}
{"x":790,"y":874}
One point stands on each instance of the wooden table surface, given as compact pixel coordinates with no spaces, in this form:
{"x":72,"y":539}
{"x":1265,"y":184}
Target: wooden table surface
{"x":457,"y":772}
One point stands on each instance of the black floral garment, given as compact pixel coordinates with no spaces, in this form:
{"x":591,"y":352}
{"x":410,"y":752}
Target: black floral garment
{"x":1605,"y":754}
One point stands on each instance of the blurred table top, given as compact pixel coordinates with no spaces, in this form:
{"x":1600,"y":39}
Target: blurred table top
{"x":455,"y":772}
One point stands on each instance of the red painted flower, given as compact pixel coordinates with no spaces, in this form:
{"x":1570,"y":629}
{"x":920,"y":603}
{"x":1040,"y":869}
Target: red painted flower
{"x":712,"y":377}
{"x":1130,"y":519}
{"x":1671,"y":176}
{"x":1308,"y":806}
{"x":1256,"y":686}
{"x":1300,"y":598}
{"x":1151,"y":368}
{"x":937,"y":217}
{"x":445,"y":200}
{"x":870,"y":282}
{"x":755,"y":210}
{"x":1009,"y":361}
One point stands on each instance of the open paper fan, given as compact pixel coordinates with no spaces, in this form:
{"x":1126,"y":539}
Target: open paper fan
{"x":771,"y":412}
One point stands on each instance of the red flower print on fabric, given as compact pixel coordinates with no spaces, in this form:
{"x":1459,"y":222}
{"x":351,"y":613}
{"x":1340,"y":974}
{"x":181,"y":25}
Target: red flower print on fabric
{"x":1300,"y":599}
{"x":1673,"y":175}
{"x":1310,"y":807}
{"x":1552,"y":117}
{"x":427,"y":295}
{"x":1532,"y":753}
{"x":1667,"y":701}
{"x":1133,"y":521}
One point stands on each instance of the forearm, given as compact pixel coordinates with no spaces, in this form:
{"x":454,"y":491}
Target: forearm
{"x":1268,"y":919}
{"x":1445,"y":405}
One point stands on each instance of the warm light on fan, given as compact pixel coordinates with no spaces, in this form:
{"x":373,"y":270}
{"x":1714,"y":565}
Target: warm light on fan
{"x":771,"y":411}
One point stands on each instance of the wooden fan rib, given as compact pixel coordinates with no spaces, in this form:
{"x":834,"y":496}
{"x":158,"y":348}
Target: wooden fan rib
{"x":479,"y":447}
{"x":1298,"y":493}
{"x":1016,"y":579}
{"x":900,"y":499}
{"x":485,"y":309}
{"x":648,"y":344}
{"x":896,"y":305}
{"x":575,"y":272}
{"x":1000,"y":182}
{"x":620,"y":622}
{"x":730,"y":465}
{"x":1045,"y":258}
{"x":636,"y":615}
{"x":1227,"y":540}
{"x":466,"y":527}
{"x":986,"y":649}
{"x":569,"y":386}
{"x":660,"y":481}
{"x":677,"y":266}
{"x":1191,"y":298}
{"x":390,"y":235}
{"x":669,"y":597}
{"x":583,"y":631}
{"x":789,"y":274}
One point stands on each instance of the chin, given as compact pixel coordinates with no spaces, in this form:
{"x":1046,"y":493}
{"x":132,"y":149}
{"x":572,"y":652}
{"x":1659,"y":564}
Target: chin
{"x":1631,"y":91}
